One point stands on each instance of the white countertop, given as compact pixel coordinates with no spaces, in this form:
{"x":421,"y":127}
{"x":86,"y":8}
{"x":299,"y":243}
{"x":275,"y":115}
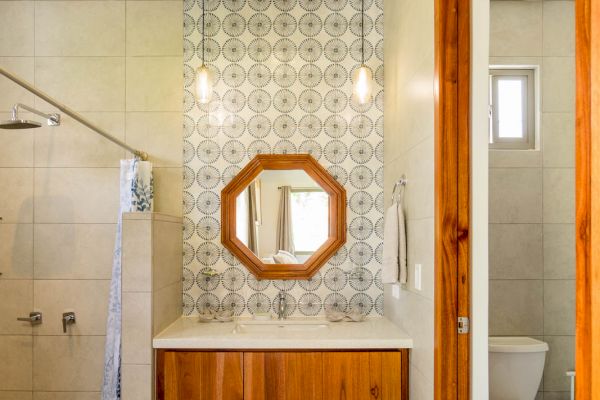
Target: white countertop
{"x":373,"y":333}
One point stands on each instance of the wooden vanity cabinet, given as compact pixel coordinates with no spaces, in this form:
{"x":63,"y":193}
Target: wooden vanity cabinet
{"x":282,"y":375}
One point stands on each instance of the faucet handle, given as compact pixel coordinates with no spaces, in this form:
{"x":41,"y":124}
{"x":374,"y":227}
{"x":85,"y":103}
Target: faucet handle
{"x":35,"y":318}
{"x":68,"y":318}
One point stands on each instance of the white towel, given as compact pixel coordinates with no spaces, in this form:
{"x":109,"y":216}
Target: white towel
{"x":394,"y":245}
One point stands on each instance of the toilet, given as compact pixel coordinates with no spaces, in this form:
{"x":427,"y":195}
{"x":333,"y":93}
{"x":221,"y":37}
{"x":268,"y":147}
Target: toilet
{"x":516,"y":365}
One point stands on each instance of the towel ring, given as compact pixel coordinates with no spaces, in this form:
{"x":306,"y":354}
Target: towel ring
{"x":399,"y":184}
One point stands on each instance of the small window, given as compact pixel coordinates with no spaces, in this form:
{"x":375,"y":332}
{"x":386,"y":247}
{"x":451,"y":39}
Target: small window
{"x":310,"y":219}
{"x":512,"y":109}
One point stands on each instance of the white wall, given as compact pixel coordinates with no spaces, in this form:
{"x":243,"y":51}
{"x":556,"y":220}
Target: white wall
{"x":409,"y":149}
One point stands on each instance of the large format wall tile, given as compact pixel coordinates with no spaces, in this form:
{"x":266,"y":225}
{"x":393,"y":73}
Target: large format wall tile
{"x":154,"y":84}
{"x":559,"y":195}
{"x":518,"y":198}
{"x":515,"y":28}
{"x":66,"y":395}
{"x":15,"y":368}
{"x":137,"y":328}
{"x":15,"y":395}
{"x":516,"y":251}
{"x":559,"y":28}
{"x":16,"y":28}
{"x":137,"y":382}
{"x":11,"y":92}
{"x":79,"y":28}
{"x":154,"y":28}
{"x":17,"y":301}
{"x":516,"y":307}
{"x":16,"y":251}
{"x":559,"y":251}
{"x":559,"y":359}
{"x":157,"y":133}
{"x":559,"y":139}
{"x":559,"y":307}
{"x":84,"y":83}
{"x":16,"y":204}
{"x":74,"y":251}
{"x":558,"y":94}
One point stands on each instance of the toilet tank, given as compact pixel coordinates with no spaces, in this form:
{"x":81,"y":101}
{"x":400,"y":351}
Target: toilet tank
{"x":516,"y":366}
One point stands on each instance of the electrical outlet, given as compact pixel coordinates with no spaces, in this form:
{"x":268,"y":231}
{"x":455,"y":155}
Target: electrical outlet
{"x":418,"y":277}
{"x":396,"y":291}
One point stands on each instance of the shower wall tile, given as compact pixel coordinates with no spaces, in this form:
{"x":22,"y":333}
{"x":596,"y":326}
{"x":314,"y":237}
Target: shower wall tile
{"x":559,"y":28}
{"x":17,"y":300}
{"x":137,"y":328}
{"x":66,"y":395}
{"x":519,"y":199}
{"x":559,"y":195}
{"x":516,"y":28}
{"x":136,"y":256}
{"x":15,"y":368}
{"x":79,"y":28}
{"x":16,"y":204}
{"x":74,"y":145}
{"x":420,"y":232}
{"x":559,"y":359}
{"x":559,"y":251}
{"x":559,"y":304}
{"x":76,"y":195}
{"x":11,"y":92}
{"x":154,"y":28}
{"x":558,"y":140}
{"x":516,"y":307}
{"x":16,"y":28}
{"x":558,"y":94}
{"x":154,"y":84}
{"x":516,"y":251}
{"x":159,"y":134}
{"x":137,"y":382}
{"x":16,"y":147}
{"x":168,"y":187}
{"x":418,"y":198}
{"x":11,"y":395}
{"x":16,"y":251}
{"x":67,"y":363}
{"x":84,"y":83}
{"x":87,"y":298}
{"x":89,"y":254}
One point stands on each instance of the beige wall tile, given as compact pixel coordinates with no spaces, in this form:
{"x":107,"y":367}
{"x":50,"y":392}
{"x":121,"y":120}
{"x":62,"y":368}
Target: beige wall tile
{"x":559,"y":28}
{"x":516,"y":307}
{"x":158,"y":134}
{"x":16,"y":365}
{"x":16,"y":146}
{"x":559,"y":251}
{"x":68,"y":363}
{"x":559,"y":195}
{"x":154,"y":84}
{"x":137,"y":382}
{"x":559,"y":359}
{"x":72,"y":79}
{"x":137,"y":256}
{"x":515,"y":28}
{"x":5,"y":395}
{"x":167,"y":262}
{"x":419,"y":387}
{"x":16,"y":302}
{"x":168,"y":189}
{"x":23,"y":68}
{"x":558,"y":130}
{"x":83,"y":195}
{"x":419,"y":195}
{"x":516,"y":251}
{"x":559,"y":307}
{"x":16,"y":28}
{"x":137,"y":328}
{"x":73,"y":145}
{"x":558,"y":94}
{"x":154,"y":28}
{"x":515,"y":158}
{"x":87,"y":298}
{"x":74,"y":251}
{"x":16,"y":204}
{"x":80,"y":28}
{"x":515,"y":195}
{"x":66,"y":396}
{"x":16,"y":251}
{"x":557,"y":396}
{"x":166,"y":306}
{"x":421,"y":232}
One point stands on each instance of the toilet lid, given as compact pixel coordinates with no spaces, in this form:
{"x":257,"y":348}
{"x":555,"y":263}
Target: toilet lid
{"x":516,"y":344}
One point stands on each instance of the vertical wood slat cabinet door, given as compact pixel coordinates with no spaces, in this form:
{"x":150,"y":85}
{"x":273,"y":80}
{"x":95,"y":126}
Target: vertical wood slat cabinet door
{"x":362,"y":376}
{"x":283,"y":376}
{"x":203,"y":375}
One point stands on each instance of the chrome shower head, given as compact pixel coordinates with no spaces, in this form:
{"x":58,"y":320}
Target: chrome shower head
{"x":19,"y":124}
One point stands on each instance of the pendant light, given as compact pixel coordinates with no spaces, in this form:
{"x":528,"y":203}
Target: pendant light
{"x":362,"y":78}
{"x":203,"y":74}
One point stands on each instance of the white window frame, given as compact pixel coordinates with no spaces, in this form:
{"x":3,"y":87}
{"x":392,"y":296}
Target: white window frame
{"x":529,"y":98}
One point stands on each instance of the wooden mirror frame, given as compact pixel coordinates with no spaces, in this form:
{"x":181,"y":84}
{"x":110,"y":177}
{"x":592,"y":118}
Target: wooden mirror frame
{"x":337,"y":216}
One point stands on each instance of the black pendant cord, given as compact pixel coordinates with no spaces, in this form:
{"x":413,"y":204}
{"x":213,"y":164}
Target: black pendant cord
{"x":203,"y":28}
{"x":362,"y":31}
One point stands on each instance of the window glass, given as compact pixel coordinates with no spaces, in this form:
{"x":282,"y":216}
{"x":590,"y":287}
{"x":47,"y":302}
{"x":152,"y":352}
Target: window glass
{"x":310,"y":219}
{"x":510,"y":108}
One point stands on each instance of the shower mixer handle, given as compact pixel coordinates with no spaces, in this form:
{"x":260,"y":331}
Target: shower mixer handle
{"x":35,"y":318}
{"x":67,"y":319}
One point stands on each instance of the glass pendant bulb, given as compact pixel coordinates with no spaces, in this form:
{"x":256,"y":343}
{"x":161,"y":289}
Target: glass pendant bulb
{"x":203,"y":84}
{"x":362,"y":80}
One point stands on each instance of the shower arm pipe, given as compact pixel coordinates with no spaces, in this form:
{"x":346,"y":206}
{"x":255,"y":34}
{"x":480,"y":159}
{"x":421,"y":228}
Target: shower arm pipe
{"x":71,"y":113}
{"x":53,"y":119}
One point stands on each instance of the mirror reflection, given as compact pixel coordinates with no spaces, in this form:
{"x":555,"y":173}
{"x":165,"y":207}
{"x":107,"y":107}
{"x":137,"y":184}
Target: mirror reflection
{"x":282,"y":216}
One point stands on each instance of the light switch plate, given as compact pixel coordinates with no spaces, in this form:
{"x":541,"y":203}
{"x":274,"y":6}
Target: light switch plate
{"x":418,"y":277}
{"x":396,"y":291}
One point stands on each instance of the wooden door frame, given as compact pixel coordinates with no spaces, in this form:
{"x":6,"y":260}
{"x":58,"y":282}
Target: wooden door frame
{"x":452,"y":197}
{"x":587,"y":208}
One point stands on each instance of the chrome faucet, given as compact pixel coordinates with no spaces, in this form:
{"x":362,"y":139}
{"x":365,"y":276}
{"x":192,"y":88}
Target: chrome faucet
{"x":68,"y":318}
{"x":282,"y":306}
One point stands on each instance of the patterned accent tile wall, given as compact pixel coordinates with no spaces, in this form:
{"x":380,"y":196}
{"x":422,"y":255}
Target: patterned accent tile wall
{"x":282,"y":71}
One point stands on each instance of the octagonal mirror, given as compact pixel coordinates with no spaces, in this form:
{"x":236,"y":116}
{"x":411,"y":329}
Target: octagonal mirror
{"x":283,"y":216}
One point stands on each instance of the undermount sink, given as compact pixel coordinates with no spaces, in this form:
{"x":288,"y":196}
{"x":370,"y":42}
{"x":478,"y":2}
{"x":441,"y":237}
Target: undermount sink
{"x":273,"y":326}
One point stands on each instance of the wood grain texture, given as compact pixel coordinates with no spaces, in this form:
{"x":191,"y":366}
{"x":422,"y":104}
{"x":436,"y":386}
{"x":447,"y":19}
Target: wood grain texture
{"x":283,"y":376}
{"x":337,"y":216}
{"x":201,"y":375}
{"x":452,"y":198}
{"x":587,"y":166}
